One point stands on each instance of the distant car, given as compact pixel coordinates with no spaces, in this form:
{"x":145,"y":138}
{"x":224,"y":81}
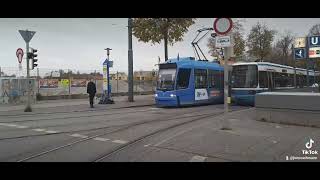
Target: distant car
{"x":315,"y":85}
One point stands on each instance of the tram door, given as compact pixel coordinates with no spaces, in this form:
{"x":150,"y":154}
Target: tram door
{"x":184,"y":90}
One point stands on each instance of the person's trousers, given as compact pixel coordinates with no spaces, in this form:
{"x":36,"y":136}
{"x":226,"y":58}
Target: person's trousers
{"x":91,"y":96}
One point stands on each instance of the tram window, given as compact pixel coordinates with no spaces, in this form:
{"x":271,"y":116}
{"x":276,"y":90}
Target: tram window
{"x":263,"y":79}
{"x":245,"y":76}
{"x":291,"y":80}
{"x":183,"y":78}
{"x":200,"y":78}
{"x":215,"y":79}
{"x":283,"y":80}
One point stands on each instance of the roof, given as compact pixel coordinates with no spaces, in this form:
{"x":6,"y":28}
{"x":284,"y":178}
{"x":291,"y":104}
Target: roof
{"x":190,"y":61}
{"x":270,"y":64}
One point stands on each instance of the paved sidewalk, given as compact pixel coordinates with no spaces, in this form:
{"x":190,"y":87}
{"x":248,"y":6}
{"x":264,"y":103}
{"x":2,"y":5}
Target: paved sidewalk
{"x":77,"y":104}
{"x":249,"y":140}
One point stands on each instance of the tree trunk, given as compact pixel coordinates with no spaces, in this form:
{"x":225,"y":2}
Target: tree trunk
{"x":166,"y":39}
{"x":166,"y":46}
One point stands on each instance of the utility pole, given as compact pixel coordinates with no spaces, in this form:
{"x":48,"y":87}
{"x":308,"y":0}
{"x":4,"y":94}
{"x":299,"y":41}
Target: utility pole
{"x":95,"y":76}
{"x":117,"y":82}
{"x":38,"y":77}
{"x":130,"y":62}
{"x":295,"y":67}
{"x":227,"y":54}
{"x":108,"y":74}
{"x":308,"y":63}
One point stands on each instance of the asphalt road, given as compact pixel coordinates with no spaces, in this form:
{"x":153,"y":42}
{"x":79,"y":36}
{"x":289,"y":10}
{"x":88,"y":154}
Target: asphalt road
{"x":145,"y":133}
{"x":87,"y":135}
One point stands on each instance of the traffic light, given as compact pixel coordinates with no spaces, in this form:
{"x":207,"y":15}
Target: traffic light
{"x":32,"y":55}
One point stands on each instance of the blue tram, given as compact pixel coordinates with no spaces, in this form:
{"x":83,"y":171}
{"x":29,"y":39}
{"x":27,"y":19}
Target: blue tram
{"x":186,"y":81}
{"x":251,"y":78}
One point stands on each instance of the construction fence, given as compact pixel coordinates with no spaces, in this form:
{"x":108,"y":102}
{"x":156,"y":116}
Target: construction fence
{"x":64,"y":82}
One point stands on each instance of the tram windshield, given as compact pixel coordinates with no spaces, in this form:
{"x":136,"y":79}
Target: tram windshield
{"x":245,"y":76}
{"x":166,"y":79}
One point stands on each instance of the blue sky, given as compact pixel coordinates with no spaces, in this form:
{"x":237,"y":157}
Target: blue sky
{"x":65,"y":43}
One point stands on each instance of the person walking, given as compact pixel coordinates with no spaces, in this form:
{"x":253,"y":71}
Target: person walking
{"x":91,"y":90}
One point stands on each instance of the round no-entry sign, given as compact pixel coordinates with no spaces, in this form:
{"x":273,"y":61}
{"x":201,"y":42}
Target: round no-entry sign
{"x":222,"y":25}
{"x":19,"y":54}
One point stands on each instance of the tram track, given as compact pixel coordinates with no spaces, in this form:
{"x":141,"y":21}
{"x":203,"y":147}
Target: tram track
{"x":98,"y":128}
{"x":72,"y":111}
{"x":71,"y":117}
{"x":116,"y":150}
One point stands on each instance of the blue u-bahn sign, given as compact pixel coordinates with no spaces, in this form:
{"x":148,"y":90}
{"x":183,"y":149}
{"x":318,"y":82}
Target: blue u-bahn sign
{"x":314,"y":41}
{"x":300,"y":53}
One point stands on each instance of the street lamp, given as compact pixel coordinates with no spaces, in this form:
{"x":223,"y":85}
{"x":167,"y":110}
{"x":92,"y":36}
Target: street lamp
{"x":108,"y":52}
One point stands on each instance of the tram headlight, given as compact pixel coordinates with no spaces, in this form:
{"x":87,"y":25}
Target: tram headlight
{"x":172,"y":95}
{"x":155,"y":95}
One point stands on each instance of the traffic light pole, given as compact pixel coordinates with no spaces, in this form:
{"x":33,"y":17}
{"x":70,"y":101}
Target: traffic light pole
{"x":28,"y":107}
{"x":130,"y":62}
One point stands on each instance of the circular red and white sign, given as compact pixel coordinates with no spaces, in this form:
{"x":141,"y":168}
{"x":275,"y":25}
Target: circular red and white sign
{"x":222,"y":25}
{"x":19,"y":54}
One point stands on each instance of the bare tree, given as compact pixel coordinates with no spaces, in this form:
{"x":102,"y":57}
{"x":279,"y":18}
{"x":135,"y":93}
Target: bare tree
{"x":314,"y":30}
{"x":284,"y":46}
{"x":260,"y":40}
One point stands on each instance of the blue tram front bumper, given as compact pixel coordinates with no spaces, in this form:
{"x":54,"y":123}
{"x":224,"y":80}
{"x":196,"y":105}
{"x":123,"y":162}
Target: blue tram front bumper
{"x":163,"y":102}
{"x":168,"y":98}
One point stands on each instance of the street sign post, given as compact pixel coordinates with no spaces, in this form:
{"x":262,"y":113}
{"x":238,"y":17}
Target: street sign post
{"x":314,"y":52}
{"x":19,"y":54}
{"x":106,"y":97}
{"x":300,"y":42}
{"x":223,"y":41}
{"x":27,"y":36}
{"x":223,"y":27}
{"x":300,"y":53}
{"x":314,"y":47}
{"x":314,"y":41}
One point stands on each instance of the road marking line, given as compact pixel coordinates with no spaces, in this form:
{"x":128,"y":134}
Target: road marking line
{"x":197,"y":159}
{"x":12,"y":125}
{"x":22,"y":126}
{"x":147,"y":145}
{"x":101,"y":139}
{"x":4,"y":124}
{"x":155,"y":108}
{"x":78,"y":135}
{"x":51,"y":131}
{"x":39,"y":130}
{"x":119,"y":141}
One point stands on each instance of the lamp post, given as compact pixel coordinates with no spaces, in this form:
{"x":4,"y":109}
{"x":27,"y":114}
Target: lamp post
{"x":130,"y":62}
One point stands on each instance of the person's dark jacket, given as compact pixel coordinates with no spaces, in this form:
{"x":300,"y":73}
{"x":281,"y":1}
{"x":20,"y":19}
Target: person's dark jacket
{"x":91,"y":88}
